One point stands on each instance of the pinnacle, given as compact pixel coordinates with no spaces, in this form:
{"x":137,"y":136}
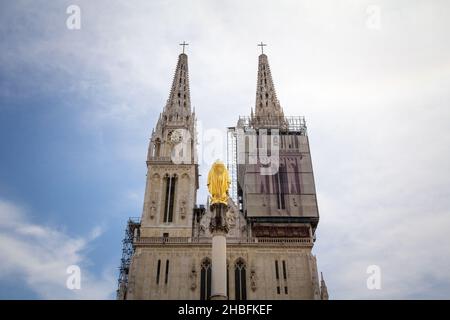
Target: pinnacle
{"x":179,"y":102}
{"x":267,"y":104}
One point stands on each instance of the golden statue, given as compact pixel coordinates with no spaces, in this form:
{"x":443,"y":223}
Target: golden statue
{"x":218,"y":183}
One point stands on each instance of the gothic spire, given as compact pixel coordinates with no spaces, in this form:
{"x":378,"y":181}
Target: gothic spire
{"x":267,"y":104}
{"x":179,"y":102}
{"x":323,"y":288}
{"x":177,"y":114}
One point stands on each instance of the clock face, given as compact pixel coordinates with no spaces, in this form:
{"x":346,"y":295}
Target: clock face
{"x":176,"y":136}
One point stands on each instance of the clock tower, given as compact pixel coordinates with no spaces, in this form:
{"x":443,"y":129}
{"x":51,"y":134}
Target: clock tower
{"x":172,"y":172}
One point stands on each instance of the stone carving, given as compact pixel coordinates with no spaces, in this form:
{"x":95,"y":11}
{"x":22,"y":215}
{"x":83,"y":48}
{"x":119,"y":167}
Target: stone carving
{"x":183,"y":208}
{"x":193,"y":278}
{"x":265,"y":201}
{"x":203,"y":227}
{"x":253,"y":279}
{"x":218,"y":220}
{"x":231,"y":218}
{"x":153,"y":209}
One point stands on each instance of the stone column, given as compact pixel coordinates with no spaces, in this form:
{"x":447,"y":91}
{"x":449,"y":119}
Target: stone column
{"x":219,"y":229}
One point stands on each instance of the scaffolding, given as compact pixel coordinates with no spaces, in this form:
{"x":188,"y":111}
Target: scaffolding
{"x":295,"y":124}
{"x":131,"y":233}
{"x":291,"y":123}
{"x":232,"y":161}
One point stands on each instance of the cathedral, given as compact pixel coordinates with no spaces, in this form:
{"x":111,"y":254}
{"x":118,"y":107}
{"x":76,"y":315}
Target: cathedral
{"x":272,"y":209}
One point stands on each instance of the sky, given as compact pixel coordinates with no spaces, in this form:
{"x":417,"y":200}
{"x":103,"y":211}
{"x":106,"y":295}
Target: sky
{"x":77,"y":108}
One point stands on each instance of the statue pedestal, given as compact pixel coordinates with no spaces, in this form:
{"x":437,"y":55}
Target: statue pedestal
{"x":219,"y":229}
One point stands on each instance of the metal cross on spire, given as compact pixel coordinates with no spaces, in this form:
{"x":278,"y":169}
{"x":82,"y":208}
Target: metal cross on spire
{"x":184,"y":44}
{"x":262,"y":45}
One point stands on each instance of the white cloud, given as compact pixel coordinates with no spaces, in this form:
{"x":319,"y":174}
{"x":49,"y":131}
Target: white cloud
{"x":39,"y":255}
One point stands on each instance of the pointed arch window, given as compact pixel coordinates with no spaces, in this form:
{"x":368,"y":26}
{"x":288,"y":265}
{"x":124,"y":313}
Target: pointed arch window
{"x":205,"y":279}
{"x":240,"y":280}
{"x":169,"y":197}
{"x":279,"y":180}
{"x":284,"y":184}
{"x":158,"y":271}
{"x":277,"y":275}
{"x":166,"y":277}
{"x":285,"y":277}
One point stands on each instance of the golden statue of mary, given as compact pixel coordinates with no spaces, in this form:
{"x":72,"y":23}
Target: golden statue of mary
{"x":218,"y":183}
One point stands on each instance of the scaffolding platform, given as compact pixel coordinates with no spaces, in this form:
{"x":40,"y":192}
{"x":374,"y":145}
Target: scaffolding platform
{"x":291,"y":124}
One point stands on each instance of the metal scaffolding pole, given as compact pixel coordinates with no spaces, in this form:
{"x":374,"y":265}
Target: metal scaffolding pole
{"x":131,"y":232}
{"x":232,"y":161}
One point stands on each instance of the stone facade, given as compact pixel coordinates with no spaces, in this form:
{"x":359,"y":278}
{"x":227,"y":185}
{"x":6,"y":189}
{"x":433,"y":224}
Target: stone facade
{"x":183,"y":280}
{"x":269,"y":244}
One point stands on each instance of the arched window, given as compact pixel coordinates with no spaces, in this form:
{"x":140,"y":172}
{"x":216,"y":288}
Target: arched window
{"x":205,"y":279}
{"x":169,"y":197}
{"x":280,"y":183}
{"x":158,"y":271}
{"x":240,"y":283}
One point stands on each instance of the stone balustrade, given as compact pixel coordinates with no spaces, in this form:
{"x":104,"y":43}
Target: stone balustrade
{"x":204,"y":240}
{"x":159,"y":159}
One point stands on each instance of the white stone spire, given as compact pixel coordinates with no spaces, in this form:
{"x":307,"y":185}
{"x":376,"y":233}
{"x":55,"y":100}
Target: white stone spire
{"x":179,"y":101}
{"x":176,"y":122}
